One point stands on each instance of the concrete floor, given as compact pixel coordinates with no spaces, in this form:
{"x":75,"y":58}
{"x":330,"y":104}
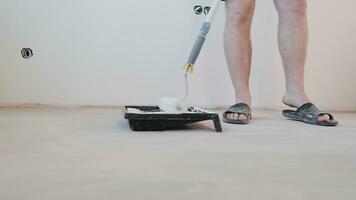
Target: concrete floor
{"x":91,"y":154}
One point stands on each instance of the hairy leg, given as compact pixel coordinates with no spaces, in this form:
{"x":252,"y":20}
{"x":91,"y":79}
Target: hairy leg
{"x":238,"y":50}
{"x":293,"y":45}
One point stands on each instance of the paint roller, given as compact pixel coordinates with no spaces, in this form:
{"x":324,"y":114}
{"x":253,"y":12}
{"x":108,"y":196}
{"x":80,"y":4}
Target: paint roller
{"x":175,"y":105}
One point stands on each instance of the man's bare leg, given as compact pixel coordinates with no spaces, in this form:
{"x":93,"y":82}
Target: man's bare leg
{"x":293,"y":43}
{"x":238,"y":50}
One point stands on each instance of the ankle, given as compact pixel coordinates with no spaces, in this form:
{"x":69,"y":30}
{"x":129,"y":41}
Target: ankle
{"x":295,"y":99}
{"x":246,"y":98}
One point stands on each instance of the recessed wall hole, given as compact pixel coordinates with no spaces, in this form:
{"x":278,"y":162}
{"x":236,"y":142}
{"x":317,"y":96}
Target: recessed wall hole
{"x":26,"y":53}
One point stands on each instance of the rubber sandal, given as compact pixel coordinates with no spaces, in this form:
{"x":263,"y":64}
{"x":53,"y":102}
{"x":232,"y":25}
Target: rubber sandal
{"x":309,"y":113}
{"x":241,"y":109}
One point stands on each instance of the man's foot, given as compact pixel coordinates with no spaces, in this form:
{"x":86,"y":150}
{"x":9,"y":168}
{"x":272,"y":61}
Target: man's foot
{"x":309,"y":113}
{"x":241,"y":99}
{"x":238,"y":114}
{"x":296,"y":101}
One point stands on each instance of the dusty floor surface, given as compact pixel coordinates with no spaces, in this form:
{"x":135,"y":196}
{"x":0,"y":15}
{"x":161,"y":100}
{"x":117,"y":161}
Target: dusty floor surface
{"x":90,"y":154}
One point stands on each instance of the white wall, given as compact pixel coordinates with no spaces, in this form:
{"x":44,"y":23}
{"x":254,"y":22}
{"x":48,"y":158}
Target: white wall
{"x":113,"y":52}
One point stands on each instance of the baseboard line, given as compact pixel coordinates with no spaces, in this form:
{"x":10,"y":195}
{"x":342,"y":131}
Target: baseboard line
{"x":116,"y":107}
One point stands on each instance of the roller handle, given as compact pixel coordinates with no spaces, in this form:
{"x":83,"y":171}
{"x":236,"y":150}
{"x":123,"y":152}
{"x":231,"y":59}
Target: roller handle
{"x":199,"y":43}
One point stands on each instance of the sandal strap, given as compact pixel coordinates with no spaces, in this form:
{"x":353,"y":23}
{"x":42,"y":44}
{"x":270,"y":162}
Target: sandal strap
{"x":311,"y":111}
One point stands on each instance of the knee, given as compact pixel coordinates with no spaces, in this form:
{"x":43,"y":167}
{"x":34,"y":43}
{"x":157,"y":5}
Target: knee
{"x":239,"y":12}
{"x":292,"y":9}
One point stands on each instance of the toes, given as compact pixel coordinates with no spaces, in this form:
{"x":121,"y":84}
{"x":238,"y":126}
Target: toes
{"x":232,"y":116}
{"x":323,"y":118}
{"x":236,"y":116}
{"x":242,"y":117}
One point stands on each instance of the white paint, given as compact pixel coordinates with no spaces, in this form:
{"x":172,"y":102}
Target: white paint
{"x":132,"y":52}
{"x":171,"y":105}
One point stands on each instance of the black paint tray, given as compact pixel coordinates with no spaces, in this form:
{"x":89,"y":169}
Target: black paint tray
{"x":151,"y":118}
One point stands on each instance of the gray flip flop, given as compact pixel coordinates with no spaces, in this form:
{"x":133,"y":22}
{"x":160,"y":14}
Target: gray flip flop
{"x":240,"y":108}
{"x":309,"y":113}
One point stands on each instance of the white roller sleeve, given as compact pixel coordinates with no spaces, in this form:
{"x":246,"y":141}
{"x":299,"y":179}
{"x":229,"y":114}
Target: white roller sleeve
{"x":171,"y":105}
